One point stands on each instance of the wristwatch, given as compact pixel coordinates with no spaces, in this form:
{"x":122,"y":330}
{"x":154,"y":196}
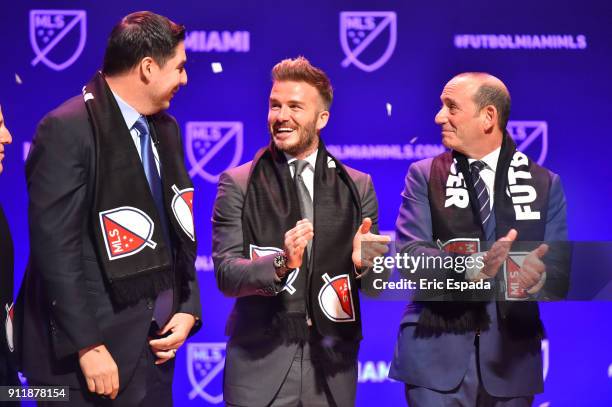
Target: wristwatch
{"x":280,"y":264}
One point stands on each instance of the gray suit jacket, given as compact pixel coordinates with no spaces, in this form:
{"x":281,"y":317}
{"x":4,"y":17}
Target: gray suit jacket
{"x":256,"y":363}
{"x":509,"y":366}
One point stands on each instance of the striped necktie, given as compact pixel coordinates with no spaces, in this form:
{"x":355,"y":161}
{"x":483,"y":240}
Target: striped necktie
{"x":482,"y":194}
{"x":303,"y":194}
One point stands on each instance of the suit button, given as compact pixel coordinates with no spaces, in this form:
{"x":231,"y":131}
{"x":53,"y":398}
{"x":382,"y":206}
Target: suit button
{"x":149,"y":304}
{"x":53,"y":303}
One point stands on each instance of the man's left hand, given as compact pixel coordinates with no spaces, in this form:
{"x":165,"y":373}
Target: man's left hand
{"x":165,"y":348}
{"x":377,"y":245}
{"x":533,"y":271}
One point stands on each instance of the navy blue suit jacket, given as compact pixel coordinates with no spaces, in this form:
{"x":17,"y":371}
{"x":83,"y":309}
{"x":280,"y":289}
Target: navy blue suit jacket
{"x":509,"y":366}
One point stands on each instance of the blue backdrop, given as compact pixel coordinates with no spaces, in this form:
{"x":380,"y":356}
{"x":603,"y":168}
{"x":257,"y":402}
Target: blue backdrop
{"x":388,"y":62}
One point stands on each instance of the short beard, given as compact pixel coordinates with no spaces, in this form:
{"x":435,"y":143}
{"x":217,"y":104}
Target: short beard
{"x":307,"y":137}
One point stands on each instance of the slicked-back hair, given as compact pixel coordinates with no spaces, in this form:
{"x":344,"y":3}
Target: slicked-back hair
{"x":139,"y":35}
{"x":300,"y":70}
{"x":492,"y":95}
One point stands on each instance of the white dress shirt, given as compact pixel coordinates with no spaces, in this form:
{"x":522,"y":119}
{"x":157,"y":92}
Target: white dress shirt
{"x":308,"y":173}
{"x":131,"y":115}
{"x":488,"y":172}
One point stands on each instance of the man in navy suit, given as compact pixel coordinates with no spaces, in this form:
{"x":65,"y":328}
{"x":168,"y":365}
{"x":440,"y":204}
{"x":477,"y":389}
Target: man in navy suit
{"x":484,"y":353}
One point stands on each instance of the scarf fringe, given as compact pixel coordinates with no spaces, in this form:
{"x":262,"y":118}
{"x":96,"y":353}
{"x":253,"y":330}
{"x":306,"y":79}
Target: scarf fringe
{"x":133,"y":288}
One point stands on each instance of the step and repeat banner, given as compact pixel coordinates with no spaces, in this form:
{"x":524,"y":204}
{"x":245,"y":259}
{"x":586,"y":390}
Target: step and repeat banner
{"x":388,"y":62}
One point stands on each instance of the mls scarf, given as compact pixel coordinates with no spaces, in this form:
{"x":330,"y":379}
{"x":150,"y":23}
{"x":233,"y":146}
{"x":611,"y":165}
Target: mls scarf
{"x":520,"y":202}
{"x":131,"y":247}
{"x":324,"y":288}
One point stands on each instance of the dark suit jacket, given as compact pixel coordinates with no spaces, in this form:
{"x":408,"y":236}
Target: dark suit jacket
{"x":64,"y":301}
{"x":510,"y":365}
{"x":8,"y":373}
{"x":256,"y":363}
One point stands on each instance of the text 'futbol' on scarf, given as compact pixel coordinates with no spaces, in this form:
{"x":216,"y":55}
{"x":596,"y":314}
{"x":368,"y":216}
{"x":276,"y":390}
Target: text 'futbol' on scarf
{"x":520,"y":193}
{"x":271,"y":208}
{"x":131,"y":247}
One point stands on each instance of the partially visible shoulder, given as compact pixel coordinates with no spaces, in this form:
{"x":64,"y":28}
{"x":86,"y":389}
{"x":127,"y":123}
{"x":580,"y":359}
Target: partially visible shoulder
{"x":238,"y":175}
{"x":71,"y":112}
{"x":421,"y":168}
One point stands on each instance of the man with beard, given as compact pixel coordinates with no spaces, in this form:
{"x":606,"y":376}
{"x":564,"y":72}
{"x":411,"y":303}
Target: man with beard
{"x":479,"y":353}
{"x":8,"y":373}
{"x":110,"y":292}
{"x":287,"y":234}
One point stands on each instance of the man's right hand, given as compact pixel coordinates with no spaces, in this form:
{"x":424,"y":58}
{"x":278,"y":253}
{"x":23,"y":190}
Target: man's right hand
{"x":498,"y":253}
{"x":100,"y":371}
{"x":296,"y":240}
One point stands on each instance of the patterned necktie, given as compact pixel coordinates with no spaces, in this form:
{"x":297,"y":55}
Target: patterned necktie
{"x":163,"y":302}
{"x":303,"y":194}
{"x":482,"y":195}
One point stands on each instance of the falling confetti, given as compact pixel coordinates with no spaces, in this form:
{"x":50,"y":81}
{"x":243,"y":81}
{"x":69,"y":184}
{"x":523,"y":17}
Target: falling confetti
{"x":216,"y":67}
{"x":18,"y":79}
{"x":389,"y":107}
{"x":412,"y":141}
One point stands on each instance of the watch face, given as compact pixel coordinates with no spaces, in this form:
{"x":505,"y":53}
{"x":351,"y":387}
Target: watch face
{"x":280,"y":261}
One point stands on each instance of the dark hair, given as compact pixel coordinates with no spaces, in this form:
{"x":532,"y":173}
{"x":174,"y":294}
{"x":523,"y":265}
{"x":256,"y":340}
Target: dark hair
{"x":139,"y":35}
{"x":493,"y":95}
{"x":300,"y":70}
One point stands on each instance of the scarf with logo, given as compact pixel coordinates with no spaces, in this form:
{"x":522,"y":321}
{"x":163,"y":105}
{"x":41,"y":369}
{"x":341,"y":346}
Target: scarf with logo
{"x":325,"y":287}
{"x":131,"y":247}
{"x":520,"y":202}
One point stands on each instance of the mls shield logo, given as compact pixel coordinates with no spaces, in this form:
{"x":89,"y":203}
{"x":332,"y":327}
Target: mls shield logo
{"x":368,"y":38}
{"x":213,"y":147}
{"x":336,"y":298}
{"x":461,"y":246}
{"x":57,"y":36}
{"x":127,"y":231}
{"x":531,"y":138}
{"x":182,"y":207}
{"x":512,"y":271}
{"x":256,"y":252}
{"x":545,"y":357}
{"x":204,"y":363}
{"x":10,"y":315}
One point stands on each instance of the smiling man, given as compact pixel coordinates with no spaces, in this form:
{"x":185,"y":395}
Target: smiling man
{"x":479,"y":353}
{"x":110,"y":293}
{"x":287,"y":233}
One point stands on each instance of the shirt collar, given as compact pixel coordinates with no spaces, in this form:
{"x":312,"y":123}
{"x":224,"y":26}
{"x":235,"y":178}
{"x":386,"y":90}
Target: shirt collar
{"x":489,"y":159}
{"x":130,"y":115}
{"x":311,"y":159}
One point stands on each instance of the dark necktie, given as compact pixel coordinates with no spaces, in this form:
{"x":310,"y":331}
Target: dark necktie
{"x":482,"y":195}
{"x":303,"y":194}
{"x":163,"y":302}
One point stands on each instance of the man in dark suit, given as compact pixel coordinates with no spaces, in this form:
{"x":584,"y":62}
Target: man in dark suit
{"x":483,"y":353}
{"x":8,"y":374}
{"x":110,"y":292}
{"x":287,"y":234}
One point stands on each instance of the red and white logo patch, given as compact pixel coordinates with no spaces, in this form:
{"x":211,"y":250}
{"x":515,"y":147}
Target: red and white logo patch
{"x":10,"y":314}
{"x":182,"y":207}
{"x":336,"y":298}
{"x":256,"y":252}
{"x":461,"y":246}
{"x":127,"y":231}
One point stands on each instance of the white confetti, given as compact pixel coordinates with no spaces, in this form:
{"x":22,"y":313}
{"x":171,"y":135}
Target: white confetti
{"x":18,"y":79}
{"x":389,"y":107}
{"x":216,"y":67}
{"x":412,"y":140}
